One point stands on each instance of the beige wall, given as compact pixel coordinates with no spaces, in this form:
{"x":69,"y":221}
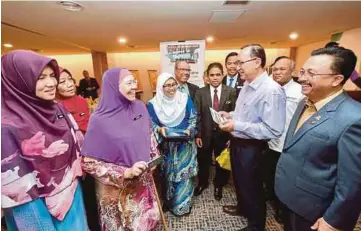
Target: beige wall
{"x":76,"y":64}
{"x":350,"y":39}
{"x":143,"y":61}
{"x":304,"y":52}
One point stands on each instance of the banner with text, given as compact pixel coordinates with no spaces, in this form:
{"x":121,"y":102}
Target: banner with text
{"x":191,"y":51}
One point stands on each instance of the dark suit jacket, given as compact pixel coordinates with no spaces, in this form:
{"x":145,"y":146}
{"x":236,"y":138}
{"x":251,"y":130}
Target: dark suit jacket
{"x":239,"y":83}
{"x":319,"y":171}
{"x":192,"y":90}
{"x":203,"y":102}
{"x":83,"y":84}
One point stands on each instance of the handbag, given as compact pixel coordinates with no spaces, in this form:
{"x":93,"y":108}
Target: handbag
{"x":224,"y":159}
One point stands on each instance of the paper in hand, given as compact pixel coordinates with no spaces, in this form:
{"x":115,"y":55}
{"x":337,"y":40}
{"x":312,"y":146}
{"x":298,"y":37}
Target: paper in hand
{"x":217,"y":118}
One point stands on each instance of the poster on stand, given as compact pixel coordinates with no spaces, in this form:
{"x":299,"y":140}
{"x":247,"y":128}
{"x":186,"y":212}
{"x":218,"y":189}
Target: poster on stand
{"x":191,"y":51}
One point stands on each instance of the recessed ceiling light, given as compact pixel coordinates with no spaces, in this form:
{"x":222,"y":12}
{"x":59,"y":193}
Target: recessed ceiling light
{"x":8,"y":45}
{"x":209,"y":39}
{"x":122,"y":40}
{"x":71,"y":5}
{"x":293,"y":35}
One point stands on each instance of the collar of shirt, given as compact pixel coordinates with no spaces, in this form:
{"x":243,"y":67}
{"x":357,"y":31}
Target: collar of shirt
{"x":182,"y":85}
{"x":258,"y":81}
{"x":289,"y":84}
{"x":326,"y":100}
{"x":232,"y":77}
{"x":219,"y":88}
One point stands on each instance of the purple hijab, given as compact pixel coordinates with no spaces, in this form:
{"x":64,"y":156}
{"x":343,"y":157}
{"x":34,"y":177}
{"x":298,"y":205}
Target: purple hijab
{"x":119,"y":129}
{"x":31,"y":125}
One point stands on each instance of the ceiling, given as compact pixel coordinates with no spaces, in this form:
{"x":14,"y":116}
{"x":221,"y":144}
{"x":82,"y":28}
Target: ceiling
{"x":44,"y":26}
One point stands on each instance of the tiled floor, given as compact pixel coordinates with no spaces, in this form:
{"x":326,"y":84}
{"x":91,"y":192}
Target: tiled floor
{"x":207,"y":215}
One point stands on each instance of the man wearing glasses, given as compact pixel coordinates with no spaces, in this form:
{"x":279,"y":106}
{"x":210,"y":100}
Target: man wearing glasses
{"x":258,"y":117}
{"x":318,"y":175}
{"x":233,"y":78}
{"x":282,"y":70}
{"x":182,"y":73}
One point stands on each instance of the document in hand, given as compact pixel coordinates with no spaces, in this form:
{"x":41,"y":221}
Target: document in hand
{"x":216,"y":116}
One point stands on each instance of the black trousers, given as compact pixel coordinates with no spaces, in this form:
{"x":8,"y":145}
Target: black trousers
{"x":294,"y":222}
{"x":90,"y":203}
{"x":270,"y":160}
{"x":246,"y":161}
{"x":217,"y":145}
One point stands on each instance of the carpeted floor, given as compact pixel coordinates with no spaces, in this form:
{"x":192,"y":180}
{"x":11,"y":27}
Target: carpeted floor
{"x":207,"y":215}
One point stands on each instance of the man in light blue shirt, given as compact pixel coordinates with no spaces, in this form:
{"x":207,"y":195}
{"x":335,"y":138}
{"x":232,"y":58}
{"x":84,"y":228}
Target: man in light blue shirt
{"x":259,"y":116}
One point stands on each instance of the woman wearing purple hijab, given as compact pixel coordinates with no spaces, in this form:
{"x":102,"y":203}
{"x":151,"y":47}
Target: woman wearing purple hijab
{"x":117,"y":146}
{"x":40,"y":155}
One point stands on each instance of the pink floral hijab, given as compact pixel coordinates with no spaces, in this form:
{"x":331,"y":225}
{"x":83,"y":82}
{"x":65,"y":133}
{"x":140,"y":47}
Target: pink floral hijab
{"x":39,"y":152}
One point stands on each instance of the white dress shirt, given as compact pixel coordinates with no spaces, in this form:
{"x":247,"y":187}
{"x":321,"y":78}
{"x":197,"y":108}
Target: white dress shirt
{"x":219,"y":89}
{"x":293,"y":97}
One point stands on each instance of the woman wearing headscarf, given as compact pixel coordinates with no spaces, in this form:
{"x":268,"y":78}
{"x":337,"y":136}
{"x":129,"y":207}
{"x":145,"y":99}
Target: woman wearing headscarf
{"x":172,"y":109}
{"x":117,"y":147}
{"x":75,"y":104}
{"x":40,"y":155}
{"x":78,"y":108}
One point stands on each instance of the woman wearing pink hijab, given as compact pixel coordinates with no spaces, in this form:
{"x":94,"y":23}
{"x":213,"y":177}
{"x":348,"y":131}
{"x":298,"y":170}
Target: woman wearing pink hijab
{"x":40,"y":155}
{"x":117,"y":147}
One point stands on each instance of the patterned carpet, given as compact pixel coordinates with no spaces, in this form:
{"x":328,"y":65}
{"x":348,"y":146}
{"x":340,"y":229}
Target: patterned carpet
{"x":207,"y":215}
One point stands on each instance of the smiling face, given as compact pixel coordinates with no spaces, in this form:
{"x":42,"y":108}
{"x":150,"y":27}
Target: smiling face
{"x":232,"y":64}
{"x":46,"y":84}
{"x":182,"y":72}
{"x":66,"y":86}
{"x":170,"y":88}
{"x":128,"y":86}
{"x":282,"y":71}
{"x":248,"y":65}
{"x":317,"y":78}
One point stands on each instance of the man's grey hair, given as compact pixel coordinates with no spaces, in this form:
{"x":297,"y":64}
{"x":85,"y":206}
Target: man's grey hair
{"x":176,"y":63}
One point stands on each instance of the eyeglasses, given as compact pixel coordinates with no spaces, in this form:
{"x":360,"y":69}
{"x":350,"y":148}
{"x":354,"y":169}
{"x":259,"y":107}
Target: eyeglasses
{"x":241,"y":63}
{"x":184,"y":69}
{"x":170,"y":85}
{"x":131,"y":83}
{"x":308,"y":73}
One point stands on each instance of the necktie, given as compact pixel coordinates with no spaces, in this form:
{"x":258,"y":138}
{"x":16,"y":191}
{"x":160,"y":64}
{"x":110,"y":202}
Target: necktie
{"x":181,"y":89}
{"x":215,"y":100}
{"x":230,"y":82}
{"x":310,"y":109}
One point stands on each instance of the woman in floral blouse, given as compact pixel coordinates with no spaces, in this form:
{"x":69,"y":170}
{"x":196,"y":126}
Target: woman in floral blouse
{"x":117,"y":146}
{"x":40,"y":155}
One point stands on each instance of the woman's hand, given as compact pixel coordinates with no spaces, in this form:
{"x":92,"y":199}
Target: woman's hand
{"x":136,"y":170}
{"x":188,"y":132}
{"x":162,"y":131}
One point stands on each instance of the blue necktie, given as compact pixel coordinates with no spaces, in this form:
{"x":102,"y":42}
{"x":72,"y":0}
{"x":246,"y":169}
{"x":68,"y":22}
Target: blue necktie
{"x":230,"y":82}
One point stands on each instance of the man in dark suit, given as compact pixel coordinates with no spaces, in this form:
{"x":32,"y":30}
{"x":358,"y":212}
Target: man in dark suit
{"x":318,"y":176}
{"x":88,"y":87}
{"x":209,"y":137}
{"x":182,"y":72}
{"x":233,"y":78}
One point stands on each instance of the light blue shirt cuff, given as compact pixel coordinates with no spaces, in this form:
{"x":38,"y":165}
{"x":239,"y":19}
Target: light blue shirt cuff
{"x":238,"y":126}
